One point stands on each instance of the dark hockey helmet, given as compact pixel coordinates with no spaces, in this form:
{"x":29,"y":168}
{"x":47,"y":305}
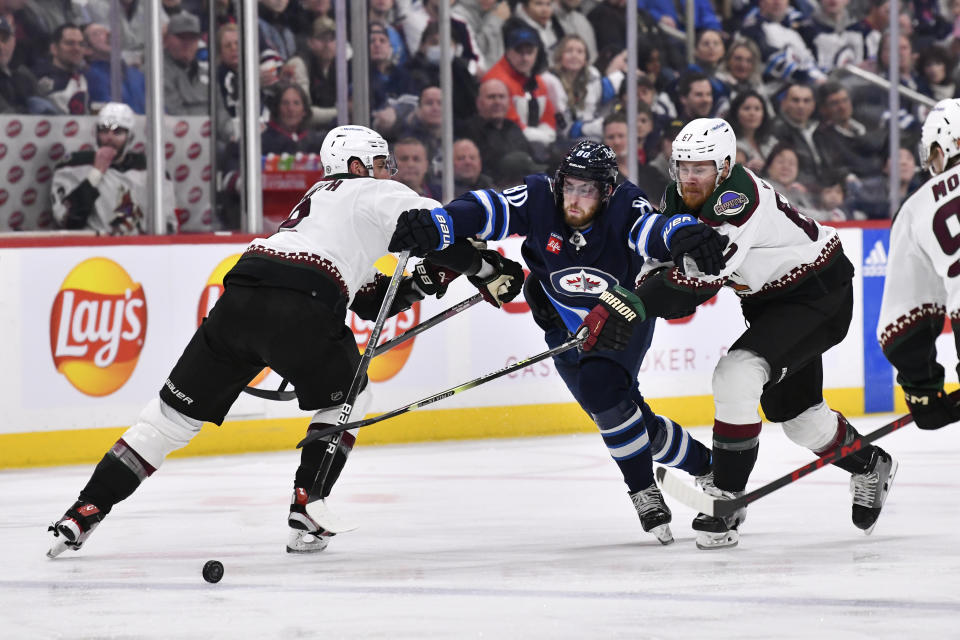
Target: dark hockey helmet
{"x":588,"y":160}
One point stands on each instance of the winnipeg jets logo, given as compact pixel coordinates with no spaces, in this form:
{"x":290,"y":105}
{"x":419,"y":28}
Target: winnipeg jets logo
{"x":582,"y":281}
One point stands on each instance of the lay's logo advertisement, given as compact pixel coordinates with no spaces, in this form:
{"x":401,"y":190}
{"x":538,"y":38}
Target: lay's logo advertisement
{"x":389,"y":364}
{"x":212,"y":291}
{"x":97,"y":326}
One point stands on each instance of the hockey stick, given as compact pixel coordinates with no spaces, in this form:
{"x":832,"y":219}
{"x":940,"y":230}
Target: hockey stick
{"x":575,"y":341}
{"x":720,"y":507}
{"x":409,"y":334}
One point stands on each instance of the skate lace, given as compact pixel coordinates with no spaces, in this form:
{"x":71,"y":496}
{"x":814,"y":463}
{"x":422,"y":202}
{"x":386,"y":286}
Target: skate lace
{"x":864,"y":487}
{"x":647,"y":500}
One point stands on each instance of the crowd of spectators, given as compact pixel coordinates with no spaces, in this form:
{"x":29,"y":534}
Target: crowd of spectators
{"x":530,"y":78}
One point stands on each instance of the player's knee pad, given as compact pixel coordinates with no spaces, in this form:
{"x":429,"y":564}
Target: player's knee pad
{"x":623,"y":430}
{"x":360,"y":408}
{"x":738,"y":381}
{"x":815,"y":428}
{"x":159,"y":430}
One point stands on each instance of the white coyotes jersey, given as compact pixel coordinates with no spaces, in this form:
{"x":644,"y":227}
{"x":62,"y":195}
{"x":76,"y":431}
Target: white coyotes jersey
{"x":771,"y":245}
{"x":347,"y":222}
{"x":923,"y":268}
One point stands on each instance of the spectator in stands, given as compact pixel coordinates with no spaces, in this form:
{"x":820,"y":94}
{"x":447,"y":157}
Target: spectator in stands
{"x":60,"y":78}
{"x":468,"y":168}
{"x":412,"y":167}
{"x":382,"y":12}
{"x":301,"y":14}
{"x":569,"y":16}
{"x":133,"y":84}
{"x":289,"y":128}
{"x":35,"y":24}
{"x":741,"y":69}
{"x":426,"y":125}
{"x":652,"y":64}
{"x":462,"y":40}
{"x":753,"y":124}
{"x":494,"y":134}
{"x":319,"y":58}
{"x":184,"y":90}
{"x":225,"y":14}
{"x":538,"y":14}
{"x":844,"y":143}
{"x":228,"y":63}
{"x":795,"y":128}
{"x":935,"y":68}
{"x":872,"y":101}
{"x":485,"y":19}
{"x":615,"y":136}
{"x":870,"y":197}
{"x":872,"y":26}
{"x":782,"y":170}
{"x":831,"y":199}
{"x":695,"y":96}
{"x":661,"y":162}
{"x":829,"y":38}
{"x":707,"y":55}
{"x":608,"y":19}
{"x":133,"y":24}
{"x":387,"y":79}
{"x":530,"y":106}
{"x":18,"y":86}
{"x":786,"y":57}
{"x":673,"y":14}
{"x":275,"y":34}
{"x":106,"y":190}
{"x":659,"y":101}
{"x":574,"y":87}
{"x":424,"y":68}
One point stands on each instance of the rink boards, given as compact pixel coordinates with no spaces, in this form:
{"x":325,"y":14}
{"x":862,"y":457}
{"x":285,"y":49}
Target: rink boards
{"x":92,"y":327}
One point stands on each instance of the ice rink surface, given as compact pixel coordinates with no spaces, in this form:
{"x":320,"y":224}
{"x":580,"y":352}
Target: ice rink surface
{"x":525,"y":538}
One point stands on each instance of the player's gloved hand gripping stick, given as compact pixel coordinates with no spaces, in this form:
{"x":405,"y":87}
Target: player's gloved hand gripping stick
{"x":575,"y":341}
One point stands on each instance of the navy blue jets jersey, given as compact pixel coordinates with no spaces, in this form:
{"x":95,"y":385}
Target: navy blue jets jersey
{"x":573,"y":267}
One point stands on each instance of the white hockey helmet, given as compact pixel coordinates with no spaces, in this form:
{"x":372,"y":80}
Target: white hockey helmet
{"x":704,"y":139}
{"x":115,"y":115}
{"x":351,"y":141}
{"x":942,"y":127}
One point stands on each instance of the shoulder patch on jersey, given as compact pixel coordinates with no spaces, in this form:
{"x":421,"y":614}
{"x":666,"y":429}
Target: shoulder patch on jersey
{"x":730,"y":203}
{"x":582,"y":281}
{"x":734,"y":201}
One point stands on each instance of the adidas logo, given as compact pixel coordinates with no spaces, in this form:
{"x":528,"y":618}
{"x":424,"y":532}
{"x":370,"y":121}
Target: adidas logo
{"x":876,"y":263}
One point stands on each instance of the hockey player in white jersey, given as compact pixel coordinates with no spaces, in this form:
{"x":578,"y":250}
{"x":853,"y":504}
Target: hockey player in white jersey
{"x":106,"y":190}
{"x":794,"y":283}
{"x":284,"y":306}
{"x":922,"y":284}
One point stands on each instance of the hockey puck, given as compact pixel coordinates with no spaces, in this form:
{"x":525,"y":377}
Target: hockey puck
{"x":213,"y":571}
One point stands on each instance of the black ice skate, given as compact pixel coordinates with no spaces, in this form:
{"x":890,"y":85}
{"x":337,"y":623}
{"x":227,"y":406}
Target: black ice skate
{"x":654,"y":514}
{"x":306,"y":535}
{"x":870,"y":489}
{"x":76,"y":525}
{"x":715,"y":532}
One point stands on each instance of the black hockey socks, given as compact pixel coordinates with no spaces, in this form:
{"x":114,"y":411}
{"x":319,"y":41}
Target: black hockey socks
{"x":312,"y":458}
{"x":735,"y":448}
{"x":860,"y":462}
{"x":116,"y":477}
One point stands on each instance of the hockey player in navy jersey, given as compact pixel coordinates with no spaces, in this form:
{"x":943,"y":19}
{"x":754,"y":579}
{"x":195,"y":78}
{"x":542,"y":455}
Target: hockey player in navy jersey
{"x":284,"y":306}
{"x":582,"y":234}
{"x":794,"y":284}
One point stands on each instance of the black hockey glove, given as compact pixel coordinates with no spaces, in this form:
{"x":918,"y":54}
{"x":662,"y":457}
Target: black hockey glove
{"x":684,"y":235}
{"x":611,"y":322}
{"x":931,"y":408}
{"x":432,"y":279}
{"x":502,"y":285}
{"x":422,"y":231}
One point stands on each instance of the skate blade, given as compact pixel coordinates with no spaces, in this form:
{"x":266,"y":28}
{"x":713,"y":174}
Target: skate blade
{"x":663,"y":534}
{"x":59,"y":546}
{"x":327,"y":519}
{"x":708,"y":541}
{"x":303,"y":542}
{"x":886,"y":492}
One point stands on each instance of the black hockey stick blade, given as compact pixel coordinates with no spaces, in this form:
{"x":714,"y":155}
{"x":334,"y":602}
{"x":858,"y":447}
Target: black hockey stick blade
{"x":720,"y":507}
{"x":576,"y":341}
{"x":409,"y":334}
